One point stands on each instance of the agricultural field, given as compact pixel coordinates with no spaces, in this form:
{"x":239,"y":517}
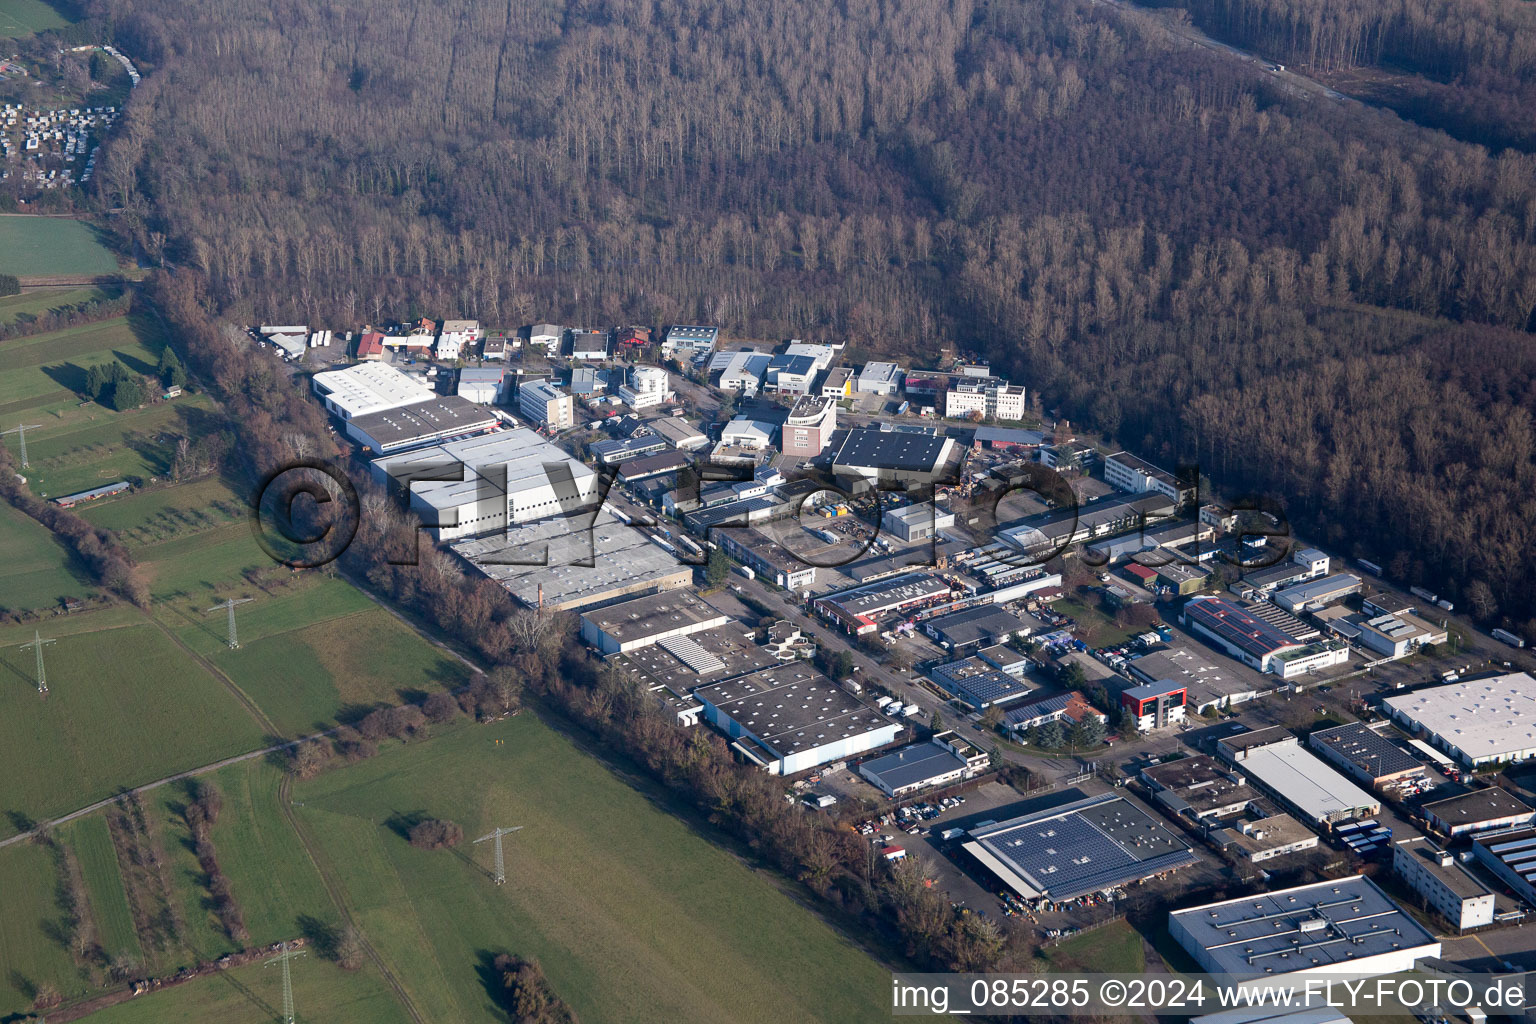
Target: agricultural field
{"x":29,"y":954}
{"x":37,"y":301}
{"x":125,"y":706}
{"x":47,"y":246}
{"x":35,"y":569}
{"x":618,"y":900}
{"x":253,"y":994}
{"x":168,"y":513}
{"x":22,"y":18}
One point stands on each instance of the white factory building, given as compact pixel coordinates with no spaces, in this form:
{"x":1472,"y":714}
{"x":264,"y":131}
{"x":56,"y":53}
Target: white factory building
{"x":665,"y":618}
{"x":1274,"y":761}
{"x":1481,"y":721}
{"x":1346,"y":927}
{"x":495,"y":481}
{"x":367,"y":388}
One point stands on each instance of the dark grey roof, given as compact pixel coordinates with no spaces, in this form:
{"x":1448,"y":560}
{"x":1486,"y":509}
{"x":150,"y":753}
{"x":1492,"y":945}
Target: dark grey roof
{"x":1366,"y":749}
{"x":890,"y":449}
{"x":973,"y":625}
{"x":912,"y":765}
{"x":1479,"y":805}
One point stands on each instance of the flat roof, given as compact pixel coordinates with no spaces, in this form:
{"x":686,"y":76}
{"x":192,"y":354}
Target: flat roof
{"x":731,"y":652}
{"x":1084,"y":846}
{"x":792,"y":707}
{"x":1326,"y":587}
{"x":1483,"y":718}
{"x":1008,"y":435}
{"x":914,"y":765}
{"x":973,"y":625}
{"x":1271,"y":832}
{"x":1140,"y":465}
{"x":370,"y":387}
{"x":873,"y":597}
{"x":1309,"y":927}
{"x":1058,"y":524}
{"x":654,"y":613}
{"x":1366,"y":749}
{"x":1147,"y":691}
{"x":1234,"y":625}
{"x":503,"y":462}
{"x":1202,"y":782}
{"x":1490,"y":804}
{"x":587,"y":564}
{"x":1454,"y":876}
{"x":1206,"y":681}
{"x":871,"y":448}
{"x":1305,"y":781}
{"x":437,"y":417}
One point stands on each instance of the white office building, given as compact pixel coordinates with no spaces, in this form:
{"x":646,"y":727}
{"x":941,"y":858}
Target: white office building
{"x":993,"y":401}
{"x":541,"y":402}
{"x":1444,"y":882}
{"x":648,"y":386}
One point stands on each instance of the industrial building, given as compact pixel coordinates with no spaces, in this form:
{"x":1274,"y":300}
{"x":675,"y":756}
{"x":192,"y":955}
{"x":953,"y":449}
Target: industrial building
{"x":741,"y":371}
{"x":1137,"y":476}
{"x":790,"y":374}
{"x":567,"y":564}
{"x":1345,"y":926}
{"x":481,"y":386}
{"x":1087,"y":846}
{"x":629,"y":625}
{"x":790,"y":718}
{"x":871,"y":455}
{"x":838,"y":383}
{"x":1267,"y":838}
{"x":1444,"y":882}
{"x":943,"y":759}
{"x":487,"y":483}
{"x":367,"y":388}
{"x":1050,"y":532}
{"x":689,"y":341}
{"x":982,"y":625}
{"x":589,"y":345}
{"x":615,"y":451}
{"x":649,"y":466}
{"x":766,"y":558}
{"x":809,"y":427}
{"x":1155,"y":705}
{"x":1482,"y":721}
{"x":1396,"y":635}
{"x":1481,"y":810}
{"x":1365,"y":754}
{"x":541,"y":402}
{"x":1304,"y":564}
{"x":858,"y":609}
{"x":978,"y":684}
{"x":1319,"y":593}
{"x":679,"y":433}
{"x":1207,"y":685}
{"x":1199,"y":788}
{"x":1250,"y":640}
{"x":917,"y":522}
{"x":420,"y":423}
{"x":546,"y":336}
{"x":1511,"y":855}
{"x":879,"y":379}
{"x":1273,"y":760}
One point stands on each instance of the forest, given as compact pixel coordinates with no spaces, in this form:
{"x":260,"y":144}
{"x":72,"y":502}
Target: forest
{"x":1317,"y":301}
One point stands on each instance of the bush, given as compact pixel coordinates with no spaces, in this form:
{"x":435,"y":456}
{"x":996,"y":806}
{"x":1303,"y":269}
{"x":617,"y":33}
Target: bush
{"x":436,"y":834}
{"x":440,"y":708}
{"x":9,"y":284}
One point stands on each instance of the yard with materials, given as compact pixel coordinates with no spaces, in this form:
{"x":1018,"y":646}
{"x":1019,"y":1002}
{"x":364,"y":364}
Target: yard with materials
{"x":46,"y":246}
{"x":633,"y":916}
{"x":125,"y":706}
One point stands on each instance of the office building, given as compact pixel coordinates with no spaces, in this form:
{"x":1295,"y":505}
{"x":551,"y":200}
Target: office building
{"x":1444,"y":882}
{"x":541,"y":402}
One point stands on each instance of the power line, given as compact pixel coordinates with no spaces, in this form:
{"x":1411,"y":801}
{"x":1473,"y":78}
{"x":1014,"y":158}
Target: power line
{"x":228,"y":604}
{"x":21,"y":434}
{"x":501,"y":864}
{"x":37,"y":645}
{"x":285,"y":959}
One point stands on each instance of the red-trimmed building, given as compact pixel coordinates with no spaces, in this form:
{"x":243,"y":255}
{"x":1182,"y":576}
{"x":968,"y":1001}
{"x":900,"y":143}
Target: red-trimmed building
{"x":371,"y":346}
{"x":1155,"y":704}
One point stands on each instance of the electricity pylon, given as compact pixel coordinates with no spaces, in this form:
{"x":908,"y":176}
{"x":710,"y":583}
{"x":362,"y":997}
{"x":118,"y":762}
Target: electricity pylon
{"x":21,"y":434}
{"x":501,"y":863}
{"x":37,"y":645}
{"x":229,"y":605}
{"x":285,"y":958}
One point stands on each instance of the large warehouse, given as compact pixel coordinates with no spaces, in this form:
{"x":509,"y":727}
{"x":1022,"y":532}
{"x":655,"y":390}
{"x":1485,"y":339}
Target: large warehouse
{"x":1365,"y":754}
{"x":1089,"y":845}
{"x":943,"y":759}
{"x":504,"y":478}
{"x":790,"y":717}
{"x":367,"y":388}
{"x":571,"y":563}
{"x":1274,"y":760}
{"x":1478,"y":722}
{"x":648,"y":620}
{"x":870,"y":454}
{"x":1346,"y":926}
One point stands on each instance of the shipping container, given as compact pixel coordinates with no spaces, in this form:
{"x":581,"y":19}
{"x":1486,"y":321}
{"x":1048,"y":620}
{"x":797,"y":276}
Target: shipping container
{"x":1508,"y":637}
{"x":1370,"y":567}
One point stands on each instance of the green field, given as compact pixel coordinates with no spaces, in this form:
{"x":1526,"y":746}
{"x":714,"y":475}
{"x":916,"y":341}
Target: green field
{"x":254,"y":995}
{"x":21,"y":18}
{"x":167,"y":513}
{"x":37,"y":301}
{"x":29,"y":954}
{"x":35,"y":570}
{"x":92,"y":842}
{"x":125,"y":706}
{"x":48,"y":246}
{"x":1113,"y":949}
{"x":201,"y":565}
{"x":633,"y":915}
